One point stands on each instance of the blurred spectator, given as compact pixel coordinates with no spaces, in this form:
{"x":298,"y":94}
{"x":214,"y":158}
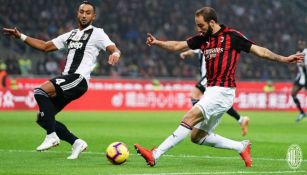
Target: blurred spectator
{"x":12,"y":66}
{"x":51,"y":66}
{"x":129,"y":21}
{"x":40,"y":67}
{"x":156,"y":85}
{"x":25,"y":66}
{"x":269,"y":87}
{"x":3,"y":76}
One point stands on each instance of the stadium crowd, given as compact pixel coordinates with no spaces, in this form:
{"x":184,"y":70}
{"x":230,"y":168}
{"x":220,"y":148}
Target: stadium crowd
{"x":276,"y":25}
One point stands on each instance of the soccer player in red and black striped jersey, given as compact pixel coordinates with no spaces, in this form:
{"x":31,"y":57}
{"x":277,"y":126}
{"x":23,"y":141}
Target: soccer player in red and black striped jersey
{"x":200,"y":88}
{"x":221,"y":46}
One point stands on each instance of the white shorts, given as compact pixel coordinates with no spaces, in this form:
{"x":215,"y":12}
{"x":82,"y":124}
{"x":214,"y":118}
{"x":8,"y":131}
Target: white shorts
{"x":213,"y":104}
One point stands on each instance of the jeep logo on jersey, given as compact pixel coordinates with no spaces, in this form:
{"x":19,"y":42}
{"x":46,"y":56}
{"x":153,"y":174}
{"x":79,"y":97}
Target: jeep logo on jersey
{"x":75,"y":45}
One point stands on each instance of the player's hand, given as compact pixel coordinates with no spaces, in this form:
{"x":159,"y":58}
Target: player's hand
{"x":11,"y":32}
{"x":151,"y":40}
{"x":113,"y":58}
{"x":295,"y":58}
{"x":182,"y":55}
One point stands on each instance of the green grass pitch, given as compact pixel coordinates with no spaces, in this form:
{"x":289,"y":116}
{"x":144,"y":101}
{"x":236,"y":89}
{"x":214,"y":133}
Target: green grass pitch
{"x":271,"y":133}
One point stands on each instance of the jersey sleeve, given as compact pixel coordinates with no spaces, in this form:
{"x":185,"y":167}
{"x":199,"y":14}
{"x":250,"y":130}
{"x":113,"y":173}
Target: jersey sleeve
{"x":195,"y":42}
{"x":241,"y":43}
{"x":60,"y":41}
{"x":103,"y":40}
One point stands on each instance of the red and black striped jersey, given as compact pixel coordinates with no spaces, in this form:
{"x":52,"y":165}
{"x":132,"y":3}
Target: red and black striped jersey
{"x":222,"y":51}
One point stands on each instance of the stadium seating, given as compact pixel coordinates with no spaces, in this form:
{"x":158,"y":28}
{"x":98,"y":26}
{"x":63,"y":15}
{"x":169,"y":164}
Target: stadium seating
{"x":127,"y":22}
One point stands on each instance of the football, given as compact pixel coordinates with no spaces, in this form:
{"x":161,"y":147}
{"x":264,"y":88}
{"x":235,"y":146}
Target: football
{"x":117,"y":153}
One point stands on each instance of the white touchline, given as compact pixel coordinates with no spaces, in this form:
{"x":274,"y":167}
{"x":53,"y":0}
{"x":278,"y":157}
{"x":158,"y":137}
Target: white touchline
{"x":166,"y":155}
{"x":224,"y":172}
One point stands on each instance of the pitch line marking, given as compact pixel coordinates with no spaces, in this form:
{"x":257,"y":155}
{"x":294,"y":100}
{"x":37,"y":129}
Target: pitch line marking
{"x":230,"y":172}
{"x":166,"y":155}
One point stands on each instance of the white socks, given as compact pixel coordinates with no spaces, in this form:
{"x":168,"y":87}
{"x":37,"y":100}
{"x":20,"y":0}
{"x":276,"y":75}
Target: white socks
{"x":180,"y":134}
{"x":218,"y":141}
{"x":240,"y":120}
{"x":53,"y":134}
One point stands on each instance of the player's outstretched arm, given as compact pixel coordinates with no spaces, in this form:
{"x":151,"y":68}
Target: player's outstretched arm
{"x":45,"y":46}
{"x":114,"y":54}
{"x":188,"y":53}
{"x":266,"y":53}
{"x":167,"y":45}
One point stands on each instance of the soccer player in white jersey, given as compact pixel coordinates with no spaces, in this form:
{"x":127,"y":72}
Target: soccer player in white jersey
{"x":83,"y":44}
{"x":200,"y":88}
{"x":300,"y":80}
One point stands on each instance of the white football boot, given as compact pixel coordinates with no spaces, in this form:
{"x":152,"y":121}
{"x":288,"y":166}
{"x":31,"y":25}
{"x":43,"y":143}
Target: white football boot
{"x":78,"y":147}
{"x":300,"y":117}
{"x":51,"y":140}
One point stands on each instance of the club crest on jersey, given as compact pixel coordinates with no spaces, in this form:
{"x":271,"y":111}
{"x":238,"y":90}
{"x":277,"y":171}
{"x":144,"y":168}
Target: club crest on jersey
{"x":208,"y":44}
{"x":75,"y":45}
{"x":222,"y":39}
{"x":85,"y":36}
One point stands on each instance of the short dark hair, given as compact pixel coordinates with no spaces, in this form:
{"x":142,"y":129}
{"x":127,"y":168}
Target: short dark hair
{"x":208,"y":14}
{"x":88,"y":3}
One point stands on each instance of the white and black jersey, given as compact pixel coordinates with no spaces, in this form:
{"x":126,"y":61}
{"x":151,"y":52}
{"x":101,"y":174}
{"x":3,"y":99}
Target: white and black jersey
{"x":301,"y":78}
{"x":83,"y":48}
{"x":202,"y":62}
{"x":201,"y":85}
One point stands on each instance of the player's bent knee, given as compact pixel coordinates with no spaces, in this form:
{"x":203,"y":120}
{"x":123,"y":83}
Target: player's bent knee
{"x":39,"y":92}
{"x":197,"y":136}
{"x":40,"y":120}
{"x":195,"y":139}
{"x":193,"y":117}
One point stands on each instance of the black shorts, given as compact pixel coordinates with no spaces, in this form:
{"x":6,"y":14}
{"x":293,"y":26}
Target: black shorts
{"x":200,"y":85}
{"x":68,"y":88}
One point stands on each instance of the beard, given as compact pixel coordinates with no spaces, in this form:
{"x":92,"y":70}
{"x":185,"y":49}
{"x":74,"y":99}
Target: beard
{"x":209,"y":31}
{"x":84,"y":25}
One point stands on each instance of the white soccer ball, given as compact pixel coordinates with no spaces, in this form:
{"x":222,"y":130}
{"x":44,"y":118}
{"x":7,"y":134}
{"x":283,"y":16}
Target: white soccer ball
{"x":117,"y":153}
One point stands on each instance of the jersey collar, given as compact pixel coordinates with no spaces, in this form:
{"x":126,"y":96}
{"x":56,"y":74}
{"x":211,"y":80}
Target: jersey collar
{"x":87,"y":28}
{"x":221,"y":30}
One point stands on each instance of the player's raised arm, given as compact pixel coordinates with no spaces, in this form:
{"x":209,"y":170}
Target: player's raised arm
{"x":266,"y":53}
{"x":167,"y":45}
{"x":45,"y":46}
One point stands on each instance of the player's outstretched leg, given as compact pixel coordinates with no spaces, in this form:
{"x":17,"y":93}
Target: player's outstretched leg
{"x":214,"y":140}
{"x":245,"y":154}
{"x":46,"y":119}
{"x":151,"y":156}
{"x":146,"y":154}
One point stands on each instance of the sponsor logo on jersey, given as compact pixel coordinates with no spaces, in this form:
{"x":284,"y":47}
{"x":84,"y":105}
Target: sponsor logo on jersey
{"x":75,"y":45}
{"x":211,"y":53}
